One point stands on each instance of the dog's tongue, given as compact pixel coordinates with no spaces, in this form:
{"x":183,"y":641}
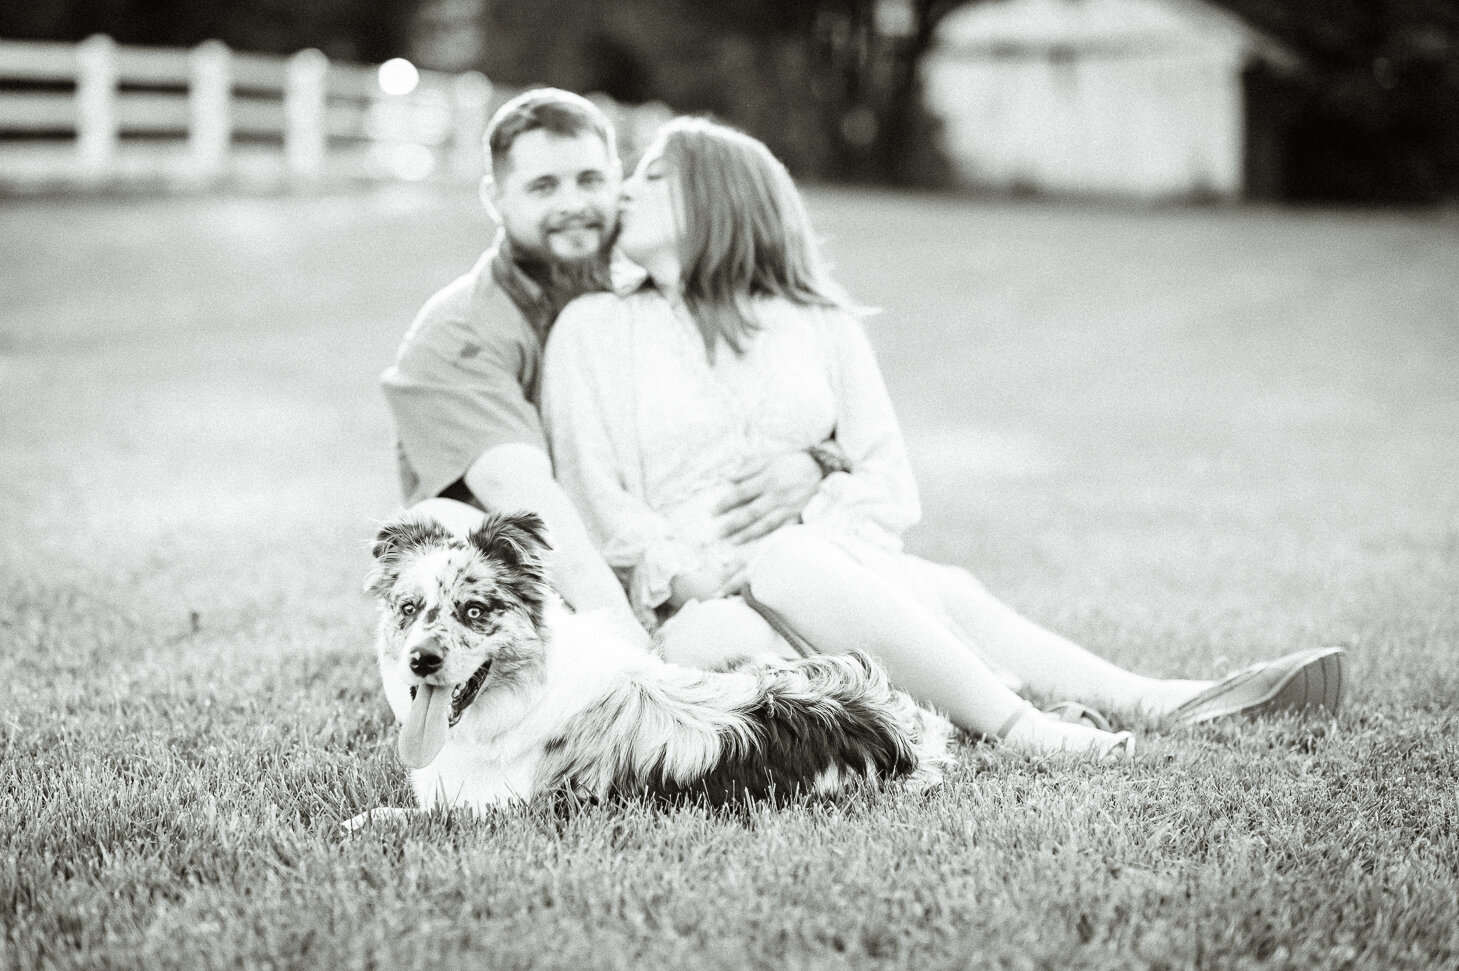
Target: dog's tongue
{"x":425,"y":727}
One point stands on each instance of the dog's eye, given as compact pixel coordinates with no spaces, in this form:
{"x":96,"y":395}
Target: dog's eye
{"x":408,"y":609}
{"x":474,"y":611}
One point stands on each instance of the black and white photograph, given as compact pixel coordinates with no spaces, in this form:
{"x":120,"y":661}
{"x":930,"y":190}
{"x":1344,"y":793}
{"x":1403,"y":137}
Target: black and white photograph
{"x":755,"y":484}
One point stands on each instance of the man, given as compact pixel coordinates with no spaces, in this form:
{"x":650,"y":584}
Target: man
{"x":464,"y":388}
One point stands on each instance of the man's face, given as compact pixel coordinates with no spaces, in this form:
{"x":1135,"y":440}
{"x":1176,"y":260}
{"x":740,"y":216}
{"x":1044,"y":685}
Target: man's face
{"x":557,"y":196}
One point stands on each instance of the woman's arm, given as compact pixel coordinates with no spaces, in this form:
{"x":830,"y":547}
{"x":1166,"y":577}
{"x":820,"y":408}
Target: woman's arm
{"x":879,"y":486}
{"x":580,"y":415}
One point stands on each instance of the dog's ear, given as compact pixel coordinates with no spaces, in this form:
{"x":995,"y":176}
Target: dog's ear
{"x":518,"y":539}
{"x":394,"y":542}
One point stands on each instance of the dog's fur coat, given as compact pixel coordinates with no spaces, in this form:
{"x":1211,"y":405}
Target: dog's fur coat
{"x":544,"y":700}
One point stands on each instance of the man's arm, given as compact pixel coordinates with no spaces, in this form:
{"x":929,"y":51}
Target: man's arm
{"x":518,"y":476}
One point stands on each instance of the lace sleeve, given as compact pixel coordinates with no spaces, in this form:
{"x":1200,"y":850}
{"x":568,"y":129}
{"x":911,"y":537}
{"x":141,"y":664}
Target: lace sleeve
{"x":879,"y":489}
{"x":581,"y":414}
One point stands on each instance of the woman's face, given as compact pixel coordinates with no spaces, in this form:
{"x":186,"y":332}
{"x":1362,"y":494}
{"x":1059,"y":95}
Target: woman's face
{"x":648,"y":224}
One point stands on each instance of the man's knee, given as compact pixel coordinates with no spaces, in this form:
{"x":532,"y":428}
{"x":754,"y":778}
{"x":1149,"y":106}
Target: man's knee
{"x":458,"y":517}
{"x":713,"y":634}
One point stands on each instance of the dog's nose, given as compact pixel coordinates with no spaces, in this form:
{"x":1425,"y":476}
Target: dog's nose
{"x":424,"y":661}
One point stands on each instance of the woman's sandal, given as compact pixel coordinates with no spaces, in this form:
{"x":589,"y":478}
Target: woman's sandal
{"x":1114,"y":747}
{"x":1073,"y":711}
{"x":1120,"y":748}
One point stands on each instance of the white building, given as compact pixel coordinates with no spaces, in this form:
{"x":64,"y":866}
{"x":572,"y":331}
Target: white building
{"x":1124,"y":98}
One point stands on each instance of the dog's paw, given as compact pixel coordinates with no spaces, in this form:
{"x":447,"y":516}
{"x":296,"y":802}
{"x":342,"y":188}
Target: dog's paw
{"x":378,"y":815}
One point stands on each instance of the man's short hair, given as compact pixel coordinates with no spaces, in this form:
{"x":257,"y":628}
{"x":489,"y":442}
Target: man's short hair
{"x":549,"y":109}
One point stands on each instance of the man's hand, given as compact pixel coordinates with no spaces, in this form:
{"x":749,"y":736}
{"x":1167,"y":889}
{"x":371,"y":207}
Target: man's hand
{"x":767,"y":497}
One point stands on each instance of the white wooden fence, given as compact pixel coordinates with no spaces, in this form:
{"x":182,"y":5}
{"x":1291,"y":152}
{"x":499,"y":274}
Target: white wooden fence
{"x":98,"y":114}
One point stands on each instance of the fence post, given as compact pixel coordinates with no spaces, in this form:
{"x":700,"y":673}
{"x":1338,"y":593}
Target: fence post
{"x":471,"y":97}
{"x":305,"y":135}
{"x":210,"y":89}
{"x":96,"y":105}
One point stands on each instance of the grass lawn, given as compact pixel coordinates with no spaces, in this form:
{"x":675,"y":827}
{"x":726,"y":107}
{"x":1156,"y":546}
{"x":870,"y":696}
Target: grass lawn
{"x":1187,"y":438}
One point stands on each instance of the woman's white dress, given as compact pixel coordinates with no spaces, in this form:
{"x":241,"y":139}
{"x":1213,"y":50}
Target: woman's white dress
{"x":646,"y":434}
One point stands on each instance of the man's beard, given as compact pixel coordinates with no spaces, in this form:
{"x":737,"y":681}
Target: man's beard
{"x":564,"y":280}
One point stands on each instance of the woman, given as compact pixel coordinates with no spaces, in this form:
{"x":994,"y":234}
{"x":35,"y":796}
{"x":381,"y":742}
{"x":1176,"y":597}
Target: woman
{"x":737,"y":349}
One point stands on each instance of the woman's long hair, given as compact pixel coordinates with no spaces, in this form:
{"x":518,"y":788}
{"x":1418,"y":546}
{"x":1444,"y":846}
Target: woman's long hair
{"x":744,"y":232}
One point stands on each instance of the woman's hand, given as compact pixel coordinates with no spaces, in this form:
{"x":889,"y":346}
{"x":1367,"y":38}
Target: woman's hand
{"x":768,"y":496}
{"x":707,"y":583}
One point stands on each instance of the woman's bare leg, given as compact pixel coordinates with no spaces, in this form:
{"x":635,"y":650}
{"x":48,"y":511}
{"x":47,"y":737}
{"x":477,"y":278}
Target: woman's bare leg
{"x":838,"y":605}
{"x":1049,"y":665}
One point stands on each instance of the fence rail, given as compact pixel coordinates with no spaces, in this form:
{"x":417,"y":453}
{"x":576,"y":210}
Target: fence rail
{"x":97,"y":114}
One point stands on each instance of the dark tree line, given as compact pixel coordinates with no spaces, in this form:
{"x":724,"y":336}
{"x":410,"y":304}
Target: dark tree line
{"x":367,"y":30}
{"x":1373,"y":115}
{"x":832,"y":85}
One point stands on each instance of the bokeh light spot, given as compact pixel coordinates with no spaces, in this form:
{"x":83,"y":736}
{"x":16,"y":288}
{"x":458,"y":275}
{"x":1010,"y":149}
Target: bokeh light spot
{"x":398,"y":76}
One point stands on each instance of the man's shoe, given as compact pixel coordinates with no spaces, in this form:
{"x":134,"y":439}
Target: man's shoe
{"x":1311,"y":678}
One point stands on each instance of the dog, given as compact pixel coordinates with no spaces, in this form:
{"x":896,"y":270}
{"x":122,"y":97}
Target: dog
{"x":504,"y":695}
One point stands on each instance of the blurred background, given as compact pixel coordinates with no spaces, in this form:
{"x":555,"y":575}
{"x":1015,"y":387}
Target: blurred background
{"x":1353,"y":101}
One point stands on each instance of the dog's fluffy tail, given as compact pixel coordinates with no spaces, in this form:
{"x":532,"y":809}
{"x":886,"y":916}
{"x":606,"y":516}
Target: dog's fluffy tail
{"x":867,"y":691}
{"x":763,"y":730}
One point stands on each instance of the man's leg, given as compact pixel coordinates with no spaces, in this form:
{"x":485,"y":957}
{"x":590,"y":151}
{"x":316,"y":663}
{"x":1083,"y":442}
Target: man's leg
{"x":459,"y":517}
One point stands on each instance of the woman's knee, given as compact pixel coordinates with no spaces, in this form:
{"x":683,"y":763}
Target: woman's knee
{"x":713,"y":634}
{"x":780,"y":572}
{"x":954,"y":581}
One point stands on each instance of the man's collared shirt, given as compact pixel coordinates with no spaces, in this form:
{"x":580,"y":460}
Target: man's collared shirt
{"x":468,"y":374}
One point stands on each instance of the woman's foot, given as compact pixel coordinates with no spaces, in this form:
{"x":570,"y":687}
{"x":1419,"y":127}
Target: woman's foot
{"x":1031,"y":732}
{"x":1156,"y":699}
